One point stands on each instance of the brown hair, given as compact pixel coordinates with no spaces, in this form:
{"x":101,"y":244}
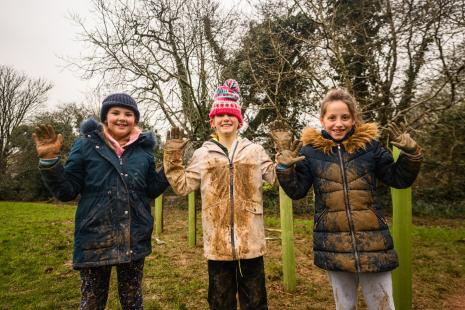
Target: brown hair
{"x":341,"y":94}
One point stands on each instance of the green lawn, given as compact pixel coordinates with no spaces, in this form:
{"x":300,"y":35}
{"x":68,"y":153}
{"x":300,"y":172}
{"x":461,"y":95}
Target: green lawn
{"x":36,"y":273}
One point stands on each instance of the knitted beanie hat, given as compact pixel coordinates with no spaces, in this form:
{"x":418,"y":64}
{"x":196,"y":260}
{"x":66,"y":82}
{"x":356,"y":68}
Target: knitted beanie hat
{"x":118,"y":100}
{"x":226,"y":101}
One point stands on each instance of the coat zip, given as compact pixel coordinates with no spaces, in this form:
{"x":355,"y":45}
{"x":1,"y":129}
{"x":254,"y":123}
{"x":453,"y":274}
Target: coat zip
{"x":347,"y":207}
{"x":124,"y":183}
{"x":231,"y":201}
{"x":129,"y":206}
{"x":231,"y":193}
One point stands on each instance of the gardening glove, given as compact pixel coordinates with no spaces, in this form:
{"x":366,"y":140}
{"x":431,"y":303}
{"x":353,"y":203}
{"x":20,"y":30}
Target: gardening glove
{"x":175,"y":140}
{"x":402,"y":140}
{"x":290,"y":157}
{"x":281,"y":135}
{"x":48,"y":143}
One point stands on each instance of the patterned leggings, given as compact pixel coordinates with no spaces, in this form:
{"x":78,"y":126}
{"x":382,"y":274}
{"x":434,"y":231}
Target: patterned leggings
{"x":95,"y":282}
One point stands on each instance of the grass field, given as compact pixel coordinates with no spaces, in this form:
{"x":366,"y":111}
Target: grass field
{"x":36,"y":273}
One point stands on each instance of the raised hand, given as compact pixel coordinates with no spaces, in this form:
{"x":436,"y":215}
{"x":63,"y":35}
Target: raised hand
{"x":287,"y":153}
{"x":291,"y":156}
{"x":401,"y":139}
{"x":48,"y":143}
{"x":175,"y":140}
{"x":281,"y":135}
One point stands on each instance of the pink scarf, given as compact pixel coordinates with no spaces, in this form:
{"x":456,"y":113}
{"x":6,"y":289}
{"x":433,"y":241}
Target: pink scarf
{"x":119,"y":149}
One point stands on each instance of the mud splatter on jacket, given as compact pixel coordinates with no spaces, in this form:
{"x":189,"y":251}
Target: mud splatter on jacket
{"x":113,"y":221}
{"x":231,"y":189}
{"x":350,"y":233}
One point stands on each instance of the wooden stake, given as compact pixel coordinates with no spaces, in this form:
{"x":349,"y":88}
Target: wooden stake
{"x":192,"y":220}
{"x":159,"y":215}
{"x":287,"y":241}
{"x":402,"y":235}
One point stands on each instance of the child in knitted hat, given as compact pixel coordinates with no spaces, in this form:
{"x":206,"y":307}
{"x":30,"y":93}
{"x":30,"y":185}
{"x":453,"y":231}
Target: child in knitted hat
{"x":112,"y":168}
{"x":229,"y":172}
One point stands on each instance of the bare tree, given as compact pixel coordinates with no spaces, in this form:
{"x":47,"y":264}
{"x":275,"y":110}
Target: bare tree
{"x":396,"y":56}
{"x":273,"y":67}
{"x":19,"y":95}
{"x":160,"y":52}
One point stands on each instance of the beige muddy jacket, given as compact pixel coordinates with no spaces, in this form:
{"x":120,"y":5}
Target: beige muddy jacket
{"x":231,"y":189}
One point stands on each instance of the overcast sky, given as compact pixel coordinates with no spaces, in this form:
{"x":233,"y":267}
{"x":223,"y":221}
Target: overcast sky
{"x":34,"y":34}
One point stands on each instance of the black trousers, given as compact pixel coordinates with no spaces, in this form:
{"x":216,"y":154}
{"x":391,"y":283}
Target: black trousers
{"x":95,"y":283}
{"x":245,"y":277}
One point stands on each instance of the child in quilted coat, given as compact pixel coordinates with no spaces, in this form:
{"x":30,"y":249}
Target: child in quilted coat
{"x":343,"y":162}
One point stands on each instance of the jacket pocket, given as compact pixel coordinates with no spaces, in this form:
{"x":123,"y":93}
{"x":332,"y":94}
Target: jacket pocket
{"x":141,"y":208}
{"x":248,"y":215}
{"x":377,"y":215}
{"x":102,"y":241}
{"x":99,"y":215}
{"x":318,"y":218}
{"x":254,"y":208}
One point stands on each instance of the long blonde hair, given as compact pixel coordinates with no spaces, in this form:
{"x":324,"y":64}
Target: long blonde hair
{"x":341,"y":94}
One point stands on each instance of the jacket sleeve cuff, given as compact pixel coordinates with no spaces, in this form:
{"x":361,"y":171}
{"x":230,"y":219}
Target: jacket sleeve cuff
{"x":417,"y":156}
{"x":47,"y":163}
{"x":281,"y":167}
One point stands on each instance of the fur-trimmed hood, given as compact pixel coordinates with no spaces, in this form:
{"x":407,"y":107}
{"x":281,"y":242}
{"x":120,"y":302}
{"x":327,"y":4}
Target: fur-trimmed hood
{"x":91,"y":125}
{"x":362,"y":136}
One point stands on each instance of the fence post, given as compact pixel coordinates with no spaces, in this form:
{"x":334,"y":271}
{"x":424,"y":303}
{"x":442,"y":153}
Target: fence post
{"x":287,"y":240}
{"x":192,"y":220}
{"x":158,"y":215}
{"x":402,"y":235}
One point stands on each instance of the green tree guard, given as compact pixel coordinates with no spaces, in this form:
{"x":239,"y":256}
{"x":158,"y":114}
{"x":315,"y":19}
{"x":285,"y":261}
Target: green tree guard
{"x":192,"y":219}
{"x":402,"y":235}
{"x":158,"y":215}
{"x":287,"y":240}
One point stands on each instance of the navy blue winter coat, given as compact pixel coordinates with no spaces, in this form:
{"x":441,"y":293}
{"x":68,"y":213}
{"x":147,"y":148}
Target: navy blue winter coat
{"x":350,"y":232}
{"x":113,"y":222}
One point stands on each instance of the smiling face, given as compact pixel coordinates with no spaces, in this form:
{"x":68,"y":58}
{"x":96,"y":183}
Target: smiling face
{"x":225,"y":125}
{"x":120,"y":122}
{"x":337,"y":119}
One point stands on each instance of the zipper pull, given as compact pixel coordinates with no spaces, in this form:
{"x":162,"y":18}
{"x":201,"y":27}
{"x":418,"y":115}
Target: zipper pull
{"x":120,"y":161}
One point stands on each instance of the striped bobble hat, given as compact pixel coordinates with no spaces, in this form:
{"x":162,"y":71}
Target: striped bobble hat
{"x":226,"y":101}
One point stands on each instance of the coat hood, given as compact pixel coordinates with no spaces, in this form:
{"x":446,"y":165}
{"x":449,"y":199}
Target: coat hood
{"x":211,"y":145}
{"x":91,"y":125}
{"x":362,"y":136}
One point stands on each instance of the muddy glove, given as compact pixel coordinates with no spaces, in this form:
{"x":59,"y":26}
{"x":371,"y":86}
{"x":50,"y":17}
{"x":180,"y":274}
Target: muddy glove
{"x":402,"y":140}
{"x":286,"y":152}
{"x":281,"y":135}
{"x":287,"y":158}
{"x":175,"y":140}
{"x":48,"y":143}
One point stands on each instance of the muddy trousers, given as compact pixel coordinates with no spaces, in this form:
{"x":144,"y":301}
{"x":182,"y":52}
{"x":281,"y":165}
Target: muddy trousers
{"x":376,"y":288}
{"x":95,"y":283}
{"x":226,"y":280}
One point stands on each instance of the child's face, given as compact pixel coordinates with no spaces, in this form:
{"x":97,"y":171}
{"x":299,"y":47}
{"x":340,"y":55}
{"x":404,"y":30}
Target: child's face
{"x":225,"y":125}
{"x":337,"y":120}
{"x":120,"y":122}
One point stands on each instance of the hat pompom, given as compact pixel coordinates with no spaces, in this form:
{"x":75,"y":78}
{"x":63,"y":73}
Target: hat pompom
{"x":232,"y":85}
